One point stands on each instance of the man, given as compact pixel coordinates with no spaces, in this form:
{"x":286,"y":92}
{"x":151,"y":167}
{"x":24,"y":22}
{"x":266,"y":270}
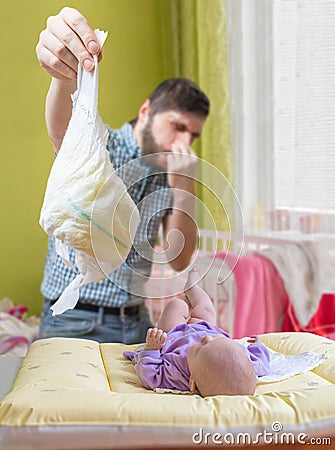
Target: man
{"x":153,"y":156}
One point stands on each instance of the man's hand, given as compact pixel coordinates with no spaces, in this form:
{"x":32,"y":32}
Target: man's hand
{"x":67,"y":39}
{"x":181,"y":167}
{"x":155,"y":339}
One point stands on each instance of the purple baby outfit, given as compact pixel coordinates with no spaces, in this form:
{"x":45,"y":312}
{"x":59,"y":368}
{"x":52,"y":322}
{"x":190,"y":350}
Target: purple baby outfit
{"x":167,"y":368}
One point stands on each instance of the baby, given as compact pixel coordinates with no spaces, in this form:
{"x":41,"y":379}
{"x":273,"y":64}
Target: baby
{"x":188,"y":352}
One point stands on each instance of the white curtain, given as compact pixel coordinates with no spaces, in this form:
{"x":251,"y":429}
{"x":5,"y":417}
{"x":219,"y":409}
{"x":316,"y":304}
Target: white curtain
{"x":282,"y":84}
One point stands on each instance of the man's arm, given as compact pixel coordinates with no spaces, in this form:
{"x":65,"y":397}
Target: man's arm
{"x":67,"y":40}
{"x":58,"y":107}
{"x":180,"y":230}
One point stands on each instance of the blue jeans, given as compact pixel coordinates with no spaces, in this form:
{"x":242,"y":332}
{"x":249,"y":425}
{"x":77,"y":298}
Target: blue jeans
{"x":77,"y":323}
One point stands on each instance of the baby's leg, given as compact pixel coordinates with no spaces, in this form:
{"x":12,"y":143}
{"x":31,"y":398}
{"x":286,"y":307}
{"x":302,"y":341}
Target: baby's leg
{"x":175,"y":313}
{"x":201,"y":305}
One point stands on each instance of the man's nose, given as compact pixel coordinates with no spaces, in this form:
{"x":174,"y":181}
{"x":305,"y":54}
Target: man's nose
{"x":186,"y":138}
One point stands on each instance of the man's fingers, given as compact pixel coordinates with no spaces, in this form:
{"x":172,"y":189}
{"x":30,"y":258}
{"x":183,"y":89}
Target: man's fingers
{"x":181,"y":148}
{"x":54,"y":66}
{"x":67,"y":40}
{"x":66,"y":44}
{"x":79,"y":24}
{"x":71,"y":39}
{"x":182,"y":155}
{"x":56,"y":56}
{"x":183,"y":159}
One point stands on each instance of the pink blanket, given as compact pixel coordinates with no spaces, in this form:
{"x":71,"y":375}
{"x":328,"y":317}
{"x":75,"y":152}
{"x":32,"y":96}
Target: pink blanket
{"x":261,"y":300}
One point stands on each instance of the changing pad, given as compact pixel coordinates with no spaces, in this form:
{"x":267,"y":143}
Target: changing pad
{"x":77,"y":382}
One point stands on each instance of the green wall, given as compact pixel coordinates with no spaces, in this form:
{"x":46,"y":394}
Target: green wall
{"x":135,"y":61}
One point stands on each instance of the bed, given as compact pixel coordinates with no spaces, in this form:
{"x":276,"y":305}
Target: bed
{"x":79,"y":394}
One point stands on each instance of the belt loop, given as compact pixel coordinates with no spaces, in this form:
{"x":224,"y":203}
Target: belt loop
{"x":122,"y":312}
{"x":100,"y":319}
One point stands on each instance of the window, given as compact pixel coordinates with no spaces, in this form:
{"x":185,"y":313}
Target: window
{"x":282,"y":83}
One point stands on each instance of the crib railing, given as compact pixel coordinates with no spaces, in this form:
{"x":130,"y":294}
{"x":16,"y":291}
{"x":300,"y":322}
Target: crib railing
{"x":222,"y":294}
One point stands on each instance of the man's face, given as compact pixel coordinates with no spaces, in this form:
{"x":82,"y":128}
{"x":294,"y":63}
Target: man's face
{"x":164,"y":129}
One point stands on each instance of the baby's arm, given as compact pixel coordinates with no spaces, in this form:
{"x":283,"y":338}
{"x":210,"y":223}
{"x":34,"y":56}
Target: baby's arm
{"x":151,"y":368}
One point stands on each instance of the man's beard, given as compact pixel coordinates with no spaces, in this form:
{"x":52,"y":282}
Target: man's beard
{"x":149,"y":146}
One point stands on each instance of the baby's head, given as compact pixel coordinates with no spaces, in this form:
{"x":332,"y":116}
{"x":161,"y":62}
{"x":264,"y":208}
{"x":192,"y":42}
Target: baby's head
{"x":220,"y":366}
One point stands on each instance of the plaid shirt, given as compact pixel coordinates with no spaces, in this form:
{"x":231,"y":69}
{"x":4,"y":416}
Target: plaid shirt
{"x":150,"y":192}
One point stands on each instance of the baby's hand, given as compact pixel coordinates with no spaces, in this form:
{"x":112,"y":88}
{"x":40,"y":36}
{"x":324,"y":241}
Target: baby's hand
{"x":155,"y":339}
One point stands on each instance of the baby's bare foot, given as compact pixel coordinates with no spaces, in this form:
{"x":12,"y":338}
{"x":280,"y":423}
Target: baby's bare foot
{"x":194,"y":276}
{"x":155,"y":339}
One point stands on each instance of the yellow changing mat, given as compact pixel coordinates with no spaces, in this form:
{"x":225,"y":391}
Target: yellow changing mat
{"x":66,"y":381}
